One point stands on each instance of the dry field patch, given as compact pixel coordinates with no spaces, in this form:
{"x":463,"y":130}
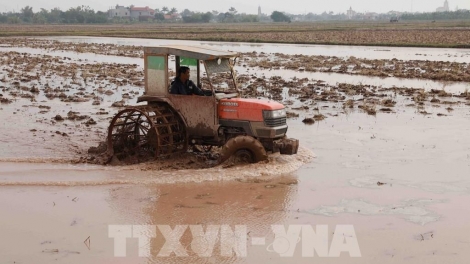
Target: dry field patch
{"x":441,"y":34}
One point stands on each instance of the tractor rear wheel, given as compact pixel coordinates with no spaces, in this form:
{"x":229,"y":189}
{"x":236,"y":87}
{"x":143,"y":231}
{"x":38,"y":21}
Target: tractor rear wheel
{"x":244,"y":149}
{"x":142,"y":133}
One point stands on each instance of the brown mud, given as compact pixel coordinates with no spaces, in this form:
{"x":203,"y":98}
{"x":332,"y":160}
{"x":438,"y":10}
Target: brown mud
{"x":391,"y":161}
{"x":51,"y":84}
{"x":422,"y":69}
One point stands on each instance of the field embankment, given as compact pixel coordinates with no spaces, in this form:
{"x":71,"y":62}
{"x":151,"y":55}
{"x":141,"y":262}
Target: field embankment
{"x":452,"y":34}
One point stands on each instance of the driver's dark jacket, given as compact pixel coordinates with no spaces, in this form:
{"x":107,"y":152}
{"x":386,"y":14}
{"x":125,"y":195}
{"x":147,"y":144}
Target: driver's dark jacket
{"x":188,"y":88}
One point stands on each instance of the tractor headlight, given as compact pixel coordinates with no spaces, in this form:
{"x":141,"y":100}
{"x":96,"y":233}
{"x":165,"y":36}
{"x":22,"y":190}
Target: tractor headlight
{"x":268,"y":114}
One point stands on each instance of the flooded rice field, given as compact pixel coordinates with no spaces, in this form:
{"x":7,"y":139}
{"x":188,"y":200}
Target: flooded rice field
{"x":384,"y":148}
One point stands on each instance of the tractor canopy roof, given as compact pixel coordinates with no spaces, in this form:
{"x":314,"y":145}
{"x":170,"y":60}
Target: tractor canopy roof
{"x":195,"y":52}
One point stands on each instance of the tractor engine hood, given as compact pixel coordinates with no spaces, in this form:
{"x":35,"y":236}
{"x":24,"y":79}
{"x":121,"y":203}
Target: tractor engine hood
{"x":246,"y":109}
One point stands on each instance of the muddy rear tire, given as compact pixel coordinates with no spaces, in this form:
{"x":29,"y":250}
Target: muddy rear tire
{"x":146,"y":132}
{"x":245,"y":149}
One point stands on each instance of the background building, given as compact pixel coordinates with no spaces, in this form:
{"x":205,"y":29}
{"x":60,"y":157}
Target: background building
{"x":142,"y":13}
{"x":350,"y":13}
{"x":119,"y":11}
{"x":132,"y":12}
{"x":444,"y":8}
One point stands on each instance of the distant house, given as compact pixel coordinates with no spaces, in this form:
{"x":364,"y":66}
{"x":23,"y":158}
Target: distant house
{"x":370,"y":16}
{"x":132,"y":12}
{"x":119,"y":11}
{"x":142,"y":13}
{"x":172,"y":17}
{"x":444,"y":8}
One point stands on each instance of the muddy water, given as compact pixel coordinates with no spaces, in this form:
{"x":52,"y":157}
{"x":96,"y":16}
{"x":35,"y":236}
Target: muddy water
{"x":418,"y":214}
{"x":400,"y":179}
{"x":75,"y":57}
{"x":334,"y":78}
{"x":79,"y":175}
{"x":400,"y":53}
{"x":455,"y":55}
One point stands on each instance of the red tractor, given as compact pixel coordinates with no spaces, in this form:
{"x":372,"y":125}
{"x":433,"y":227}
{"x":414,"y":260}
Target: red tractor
{"x":169,"y":123}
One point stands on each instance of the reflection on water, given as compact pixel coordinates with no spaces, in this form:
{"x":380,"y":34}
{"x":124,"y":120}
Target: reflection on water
{"x":65,"y":217}
{"x":253,"y":205}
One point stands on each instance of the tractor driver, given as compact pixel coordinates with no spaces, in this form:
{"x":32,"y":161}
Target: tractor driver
{"x":183,"y":85}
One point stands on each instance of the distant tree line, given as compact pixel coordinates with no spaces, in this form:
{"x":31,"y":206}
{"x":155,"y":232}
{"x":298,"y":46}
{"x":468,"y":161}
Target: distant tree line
{"x":86,"y":15}
{"x":196,"y":17}
{"x":277,"y":16}
{"x":459,"y":14}
{"x":231,"y":16}
{"x":80,"y":14}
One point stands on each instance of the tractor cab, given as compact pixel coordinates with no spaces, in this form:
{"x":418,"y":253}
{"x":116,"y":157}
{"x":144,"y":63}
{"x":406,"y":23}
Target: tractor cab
{"x":211,"y":70}
{"x":170,"y":122}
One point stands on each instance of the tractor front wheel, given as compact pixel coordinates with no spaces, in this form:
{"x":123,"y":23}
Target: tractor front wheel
{"x":244,"y":149}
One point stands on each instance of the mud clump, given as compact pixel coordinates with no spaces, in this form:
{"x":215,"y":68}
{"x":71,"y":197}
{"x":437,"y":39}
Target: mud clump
{"x":101,"y":155}
{"x":97,"y":155}
{"x":291,"y":114}
{"x":388,"y":103}
{"x":308,"y":121}
{"x":118,"y":104}
{"x":90,"y":121}
{"x":349,"y":104}
{"x":319,"y":117}
{"x":61,"y":134}
{"x":76,"y":116}
{"x":100,"y":149}
{"x":386,"y":110}
{"x":187,"y":160}
{"x":5,"y":100}
{"x":370,"y":110}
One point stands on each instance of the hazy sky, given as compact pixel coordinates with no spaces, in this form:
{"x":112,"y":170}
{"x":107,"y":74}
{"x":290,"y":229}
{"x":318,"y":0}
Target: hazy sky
{"x":246,"y":6}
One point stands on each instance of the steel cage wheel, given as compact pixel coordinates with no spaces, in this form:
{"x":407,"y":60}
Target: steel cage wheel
{"x":143,"y":133}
